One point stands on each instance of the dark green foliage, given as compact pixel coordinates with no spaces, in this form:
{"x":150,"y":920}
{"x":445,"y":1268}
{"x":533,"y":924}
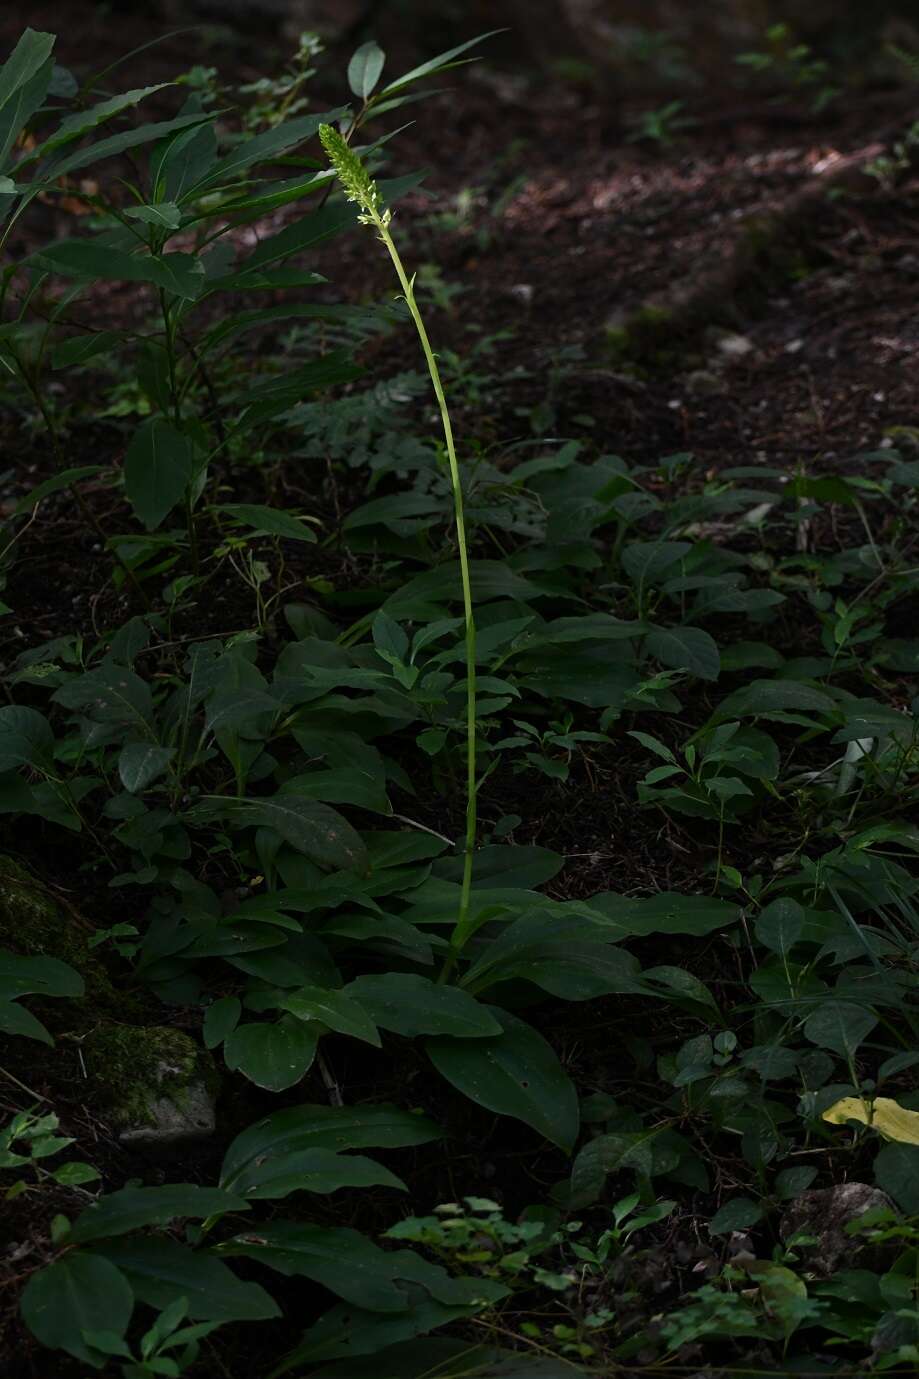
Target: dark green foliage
{"x":255,"y":794}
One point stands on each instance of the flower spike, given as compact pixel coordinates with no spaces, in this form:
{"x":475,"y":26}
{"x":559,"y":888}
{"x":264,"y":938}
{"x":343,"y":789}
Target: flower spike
{"x":356,"y":181}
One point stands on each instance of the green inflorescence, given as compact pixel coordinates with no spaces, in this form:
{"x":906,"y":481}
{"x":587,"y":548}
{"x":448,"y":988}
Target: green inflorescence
{"x":356,"y":181}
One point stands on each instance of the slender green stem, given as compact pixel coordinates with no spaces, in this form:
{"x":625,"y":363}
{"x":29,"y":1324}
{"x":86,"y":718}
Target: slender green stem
{"x":359,"y":187}
{"x":459,"y":934}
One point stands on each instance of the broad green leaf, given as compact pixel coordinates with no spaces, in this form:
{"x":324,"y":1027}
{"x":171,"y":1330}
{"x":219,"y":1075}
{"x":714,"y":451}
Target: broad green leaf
{"x":335,"y":1009}
{"x":164,"y":215}
{"x":591,"y":627}
{"x":826,"y":490}
{"x":302,"y":960}
{"x":666,"y":913}
{"x":15,"y":1019}
{"x":896,"y":1170}
{"x":685,"y":648}
{"x":343,"y":785}
{"x":180,"y":161}
{"x":348,"y":1330}
{"x":790,"y":1182}
{"x":787,"y":985}
{"x":898,"y":654}
{"x":24,"y":80}
{"x":647,"y":561}
{"x":681,"y":987}
{"x":516,"y":1074}
{"x":436,"y":64}
{"x":268,"y":399}
{"x":598,"y":675}
{"x":411,"y":1005}
{"x":364,"y":318}
{"x":573,"y":961}
{"x":780,"y":926}
{"x":233,"y":940}
{"x":109,"y":694}
{"x":840,"y":1026}
{"x":74,"y":126}
{"x":342,"y":1260}
{"x":310,"y":826}
{"x":296,"y":237}
{"x":229,"y":709}
{"x":26,"y":738}
{"x":139,"y":764}
{"x":490,"y":579}
{"x":119,"y":1213}
{"x":283,"y":390}
{"x":750,"y":655}
{"x":75,"y":1174}
{"x":269,"y":520}
{"x":180,"y":274}
{"x":273,"y":194}
{"x":259,"y":148}
{"x":365,"y":68}
{"x":274,"y":1056}
{"x":158,"y":468}
{"x":737,"y":1215}
{"x":325,"y":1127}
{"x":342,"y":750}
{"x":526,"y":866}
{"x":606,"y":1154}
{"x":380,"y":107}
{"x":116,"y":144}
{"x":387,"y":850}
{"x":392,"y":511}
{"x":771,"y":1062}
{"x":103,"y":148}
{"x":868,"y":718}
{"x":79,"y":349}
{"x":220,"y":1019}
{"x":278,"y":1173}
{"x":161,"y":1270}
{"x":653,"y":745}
{"x":51,"y":486}
{"x":22,"y":976}
{"x":766,"y":697}
{"x":78,"y":1292}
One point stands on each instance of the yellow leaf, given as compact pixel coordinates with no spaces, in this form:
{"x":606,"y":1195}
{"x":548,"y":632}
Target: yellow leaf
{"x":883,"y":1114}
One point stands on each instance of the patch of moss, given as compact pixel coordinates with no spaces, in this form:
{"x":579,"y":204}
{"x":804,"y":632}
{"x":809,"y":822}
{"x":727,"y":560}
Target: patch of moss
{"x":645,"y":337}
{"x":772,"y":252}
{"x":32,"y":924}
{"x":130,"y":1067}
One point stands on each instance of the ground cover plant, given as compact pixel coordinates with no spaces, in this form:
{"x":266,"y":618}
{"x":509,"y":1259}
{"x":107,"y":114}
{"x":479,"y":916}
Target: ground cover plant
{"x":459,"y":893}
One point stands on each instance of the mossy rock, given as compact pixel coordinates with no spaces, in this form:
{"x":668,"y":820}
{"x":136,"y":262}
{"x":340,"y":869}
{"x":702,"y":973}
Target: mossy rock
{"x":34,"y":925}
{"x":642,"y":336}
{"x":154,"y":1083}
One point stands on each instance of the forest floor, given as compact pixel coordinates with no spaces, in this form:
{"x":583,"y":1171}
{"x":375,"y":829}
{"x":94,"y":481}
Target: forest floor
{"x":745,"y":294}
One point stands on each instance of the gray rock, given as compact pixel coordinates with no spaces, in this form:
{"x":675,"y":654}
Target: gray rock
{"x":703,"y":383}
{"x":735,"y":346}
{"x":155,"y":1085}
{"x":173,"y":1120}
{"x":824,"y":1214}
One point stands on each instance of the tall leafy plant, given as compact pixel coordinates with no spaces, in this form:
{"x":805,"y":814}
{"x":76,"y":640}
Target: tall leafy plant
{"x":167,"y":225}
